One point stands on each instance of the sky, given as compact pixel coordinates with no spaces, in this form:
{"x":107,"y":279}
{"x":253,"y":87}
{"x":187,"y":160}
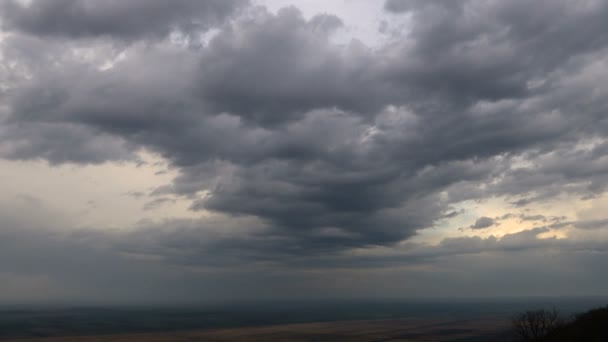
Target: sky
{"x":186,"y":151}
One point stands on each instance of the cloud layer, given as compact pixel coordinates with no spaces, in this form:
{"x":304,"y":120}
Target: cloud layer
{"x":300,"y":144}
{"x":115,"y":19}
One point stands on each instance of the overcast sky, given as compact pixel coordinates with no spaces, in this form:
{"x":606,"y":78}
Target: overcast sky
{"x":182,"y":151}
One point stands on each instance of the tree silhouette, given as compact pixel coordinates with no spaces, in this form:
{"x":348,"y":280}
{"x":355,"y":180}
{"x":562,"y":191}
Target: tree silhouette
{"x":534,"y":325}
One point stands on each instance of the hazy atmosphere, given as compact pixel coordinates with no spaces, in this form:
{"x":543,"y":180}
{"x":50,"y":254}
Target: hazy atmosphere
{"x":171,"y":152}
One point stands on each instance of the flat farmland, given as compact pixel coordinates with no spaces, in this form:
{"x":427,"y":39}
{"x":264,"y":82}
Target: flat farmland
{"x":410,"y":329}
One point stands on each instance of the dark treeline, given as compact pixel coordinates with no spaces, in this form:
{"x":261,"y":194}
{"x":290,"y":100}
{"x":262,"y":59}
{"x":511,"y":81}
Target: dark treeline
{"x":548,"y":326}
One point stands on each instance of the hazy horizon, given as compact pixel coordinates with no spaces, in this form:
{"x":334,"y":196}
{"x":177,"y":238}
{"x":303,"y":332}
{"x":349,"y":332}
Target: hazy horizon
{"x":157,"y":152}
{"x":289,"y":317}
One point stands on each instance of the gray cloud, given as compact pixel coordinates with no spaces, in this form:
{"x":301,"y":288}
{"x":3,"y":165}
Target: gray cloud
{"x":52,"y":261}
{"x":277,"y":68}
{"x":592,"y":224}
{"x":483,"y":222}
{"x":201,"y":243}
{"x":116,"y":19}
{"x":533,"y":218}
{"x":190,"y":260}
{"x":61,"y":143}
{"x":332,"y":147}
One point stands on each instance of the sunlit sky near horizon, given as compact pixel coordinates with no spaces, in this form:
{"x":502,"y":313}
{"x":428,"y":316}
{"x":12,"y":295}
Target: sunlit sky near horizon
{"x":181,"y":151}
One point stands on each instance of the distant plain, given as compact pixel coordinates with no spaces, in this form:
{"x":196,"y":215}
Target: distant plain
{"x":331,"y":320}
{"x":411,"y":329}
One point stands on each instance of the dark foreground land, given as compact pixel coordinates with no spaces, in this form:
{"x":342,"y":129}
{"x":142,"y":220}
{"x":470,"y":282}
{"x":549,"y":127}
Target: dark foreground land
{"x":373,"y":320}
{"x":412,"y":329}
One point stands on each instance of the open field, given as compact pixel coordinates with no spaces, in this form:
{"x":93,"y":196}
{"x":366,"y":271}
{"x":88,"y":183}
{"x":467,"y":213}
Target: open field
{"x":330,"y":320}
{"x":411,"y":329}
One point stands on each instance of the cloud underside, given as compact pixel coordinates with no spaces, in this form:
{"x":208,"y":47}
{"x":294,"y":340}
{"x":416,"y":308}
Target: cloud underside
{"x":182,"y":261}
{"x":313,"y":146}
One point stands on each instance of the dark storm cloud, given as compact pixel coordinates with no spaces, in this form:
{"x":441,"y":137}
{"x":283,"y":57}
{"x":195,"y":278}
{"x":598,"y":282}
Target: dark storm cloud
{"x":276,"y":68}
{"x":331,"y":146}
{"x":128,"y":20}
{"x":61,"y":143}
{"x":465,"y":51}
{"x":201,"y":244}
